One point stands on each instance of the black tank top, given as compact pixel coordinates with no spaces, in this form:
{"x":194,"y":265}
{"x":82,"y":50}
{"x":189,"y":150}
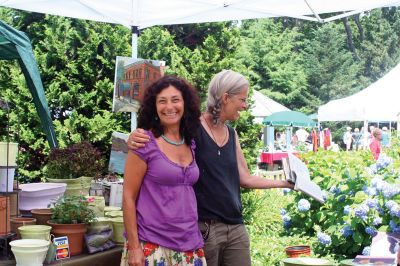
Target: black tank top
{"x":218,"y":188}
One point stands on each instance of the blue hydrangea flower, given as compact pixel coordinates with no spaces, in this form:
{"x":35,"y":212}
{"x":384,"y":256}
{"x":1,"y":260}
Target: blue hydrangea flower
{"x":377,"y":221}
{"x":366,"y":251}
{"x":395,"y":211}
{"x":303,"y":205}
{"x":347,"y":231}
{"x":371,"y":231}
{"x":286,"y":191}
{"x":283,"y":211}
{"x":389,"y":190}
{"x":324,"y":239}
{"x":390,"y":203}
{"x":377,"y":183}
{"x":370,"y":191}
{"x":286,"y":218}
{"x":347,"y":210}
{"x":362,"y":211}
{"x":335,"y":190}
{"x":287,"y":224}
{"x":392,"y":224}
{"x":371,"y":203}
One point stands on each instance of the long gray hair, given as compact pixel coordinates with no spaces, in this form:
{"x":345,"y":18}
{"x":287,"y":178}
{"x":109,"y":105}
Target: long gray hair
{"x":226,"y":81}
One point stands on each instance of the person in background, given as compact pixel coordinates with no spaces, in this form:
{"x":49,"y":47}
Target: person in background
{"x":357,"y":139}
{"x":159,"y":204}
{"x":314,"y":140}
{"x":327,"y":138}
{"x":385,"y":137}
{"x":375,"y":145}
{"x":223,"y":170}
{"x":347,"y":138}
{"x":370,"y":135}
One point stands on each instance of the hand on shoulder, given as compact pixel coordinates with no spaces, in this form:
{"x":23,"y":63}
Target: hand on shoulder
{"x":137,"y":139}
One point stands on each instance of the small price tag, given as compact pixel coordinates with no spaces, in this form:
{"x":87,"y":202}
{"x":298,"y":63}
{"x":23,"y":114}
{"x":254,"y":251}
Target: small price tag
{"x":62,"y":251}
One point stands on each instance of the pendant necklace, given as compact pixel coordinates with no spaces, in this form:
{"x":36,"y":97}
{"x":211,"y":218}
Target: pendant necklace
{"x":215,"y":140}
{"x":173,"y":142}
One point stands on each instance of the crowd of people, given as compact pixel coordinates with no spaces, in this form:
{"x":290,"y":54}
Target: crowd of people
{"x":373,"y":139}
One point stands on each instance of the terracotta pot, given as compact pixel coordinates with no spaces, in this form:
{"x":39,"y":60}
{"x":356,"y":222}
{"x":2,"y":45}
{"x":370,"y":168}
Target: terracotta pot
{"x":4,"y":215}
{"x":20,"y":221}
{"x":41,"y":215}
{"x":297,"y":251}
{"x":75,"y":234}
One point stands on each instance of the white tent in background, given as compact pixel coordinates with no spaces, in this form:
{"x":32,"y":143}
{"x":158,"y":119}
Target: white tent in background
{"x":264,"y":106}
{"x":377,"y":102}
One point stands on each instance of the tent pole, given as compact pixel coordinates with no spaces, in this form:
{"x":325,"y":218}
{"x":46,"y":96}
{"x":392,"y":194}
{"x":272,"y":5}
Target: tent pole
{"x":135,"y":33}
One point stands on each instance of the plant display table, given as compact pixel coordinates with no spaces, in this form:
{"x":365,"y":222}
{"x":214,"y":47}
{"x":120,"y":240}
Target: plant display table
{"x":104,"y":258}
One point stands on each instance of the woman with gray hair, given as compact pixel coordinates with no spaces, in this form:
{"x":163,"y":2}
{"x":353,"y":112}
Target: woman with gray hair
{"x":223,"y":170}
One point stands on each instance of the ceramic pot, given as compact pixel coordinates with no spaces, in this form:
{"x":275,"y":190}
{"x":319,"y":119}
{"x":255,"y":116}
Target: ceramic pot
{"x":101,"y":224}
{"x":35,"y":232}
{"x":8,"y":150}
{"x":306,"y":261}
{"x":297,"y":251}
{"x":41,"y":215}
{"x":97,"y":204}
{"x":7,"y":178}
{"x":39,"y":195}
{"x":118,"y":230}
{"x":114,"y":214}
{"x":75,"y":186}
{"x":75,"y":234}
{"x":20,"y":221}
{"x":111,"y":208}
{"x":29,"y":252}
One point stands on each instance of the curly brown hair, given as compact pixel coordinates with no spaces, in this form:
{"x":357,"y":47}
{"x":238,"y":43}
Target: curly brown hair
{"x":190,"y":122}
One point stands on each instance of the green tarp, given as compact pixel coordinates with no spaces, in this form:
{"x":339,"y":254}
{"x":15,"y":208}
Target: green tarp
{"x":15,"y":45}
{"x":289,"y":119}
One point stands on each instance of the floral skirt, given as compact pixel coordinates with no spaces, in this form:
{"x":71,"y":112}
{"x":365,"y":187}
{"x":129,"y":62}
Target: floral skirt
{"x":161,"y":256}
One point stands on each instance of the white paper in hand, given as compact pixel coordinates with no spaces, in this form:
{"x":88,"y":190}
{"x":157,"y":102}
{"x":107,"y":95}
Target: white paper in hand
{"x":301,"y":176}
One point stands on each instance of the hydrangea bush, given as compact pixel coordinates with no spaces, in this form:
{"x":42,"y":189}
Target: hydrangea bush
{"x":361,"y":197}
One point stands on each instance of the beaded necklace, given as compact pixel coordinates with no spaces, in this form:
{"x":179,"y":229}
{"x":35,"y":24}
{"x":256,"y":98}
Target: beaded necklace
{"x":173,"y":142}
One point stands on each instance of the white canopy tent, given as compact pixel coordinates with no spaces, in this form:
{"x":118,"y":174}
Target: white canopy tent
{"x":139,"y":14}
{"x":264,"y":106}
{"x":145,"y":13}
{"x":377,"y":102}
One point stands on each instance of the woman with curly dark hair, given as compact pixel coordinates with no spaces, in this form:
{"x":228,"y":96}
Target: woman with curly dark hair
{"x":159,"y":204}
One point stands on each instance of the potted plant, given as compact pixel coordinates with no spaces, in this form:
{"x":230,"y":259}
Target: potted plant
{"x":76,"y":165}
{"x":70,"y":216}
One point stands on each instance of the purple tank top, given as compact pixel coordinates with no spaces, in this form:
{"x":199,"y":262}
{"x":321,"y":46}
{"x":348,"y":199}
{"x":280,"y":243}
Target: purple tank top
{"x":166,"y":205}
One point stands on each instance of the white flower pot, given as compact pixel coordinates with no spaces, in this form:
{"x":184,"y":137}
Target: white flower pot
{"x":29,"y":252}
{"x":6,"y":178}
{"x":39,"y":195}
{"x":12,"y":153}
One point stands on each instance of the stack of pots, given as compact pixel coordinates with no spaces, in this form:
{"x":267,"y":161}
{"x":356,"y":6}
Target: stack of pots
{"x":17,"y":222}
